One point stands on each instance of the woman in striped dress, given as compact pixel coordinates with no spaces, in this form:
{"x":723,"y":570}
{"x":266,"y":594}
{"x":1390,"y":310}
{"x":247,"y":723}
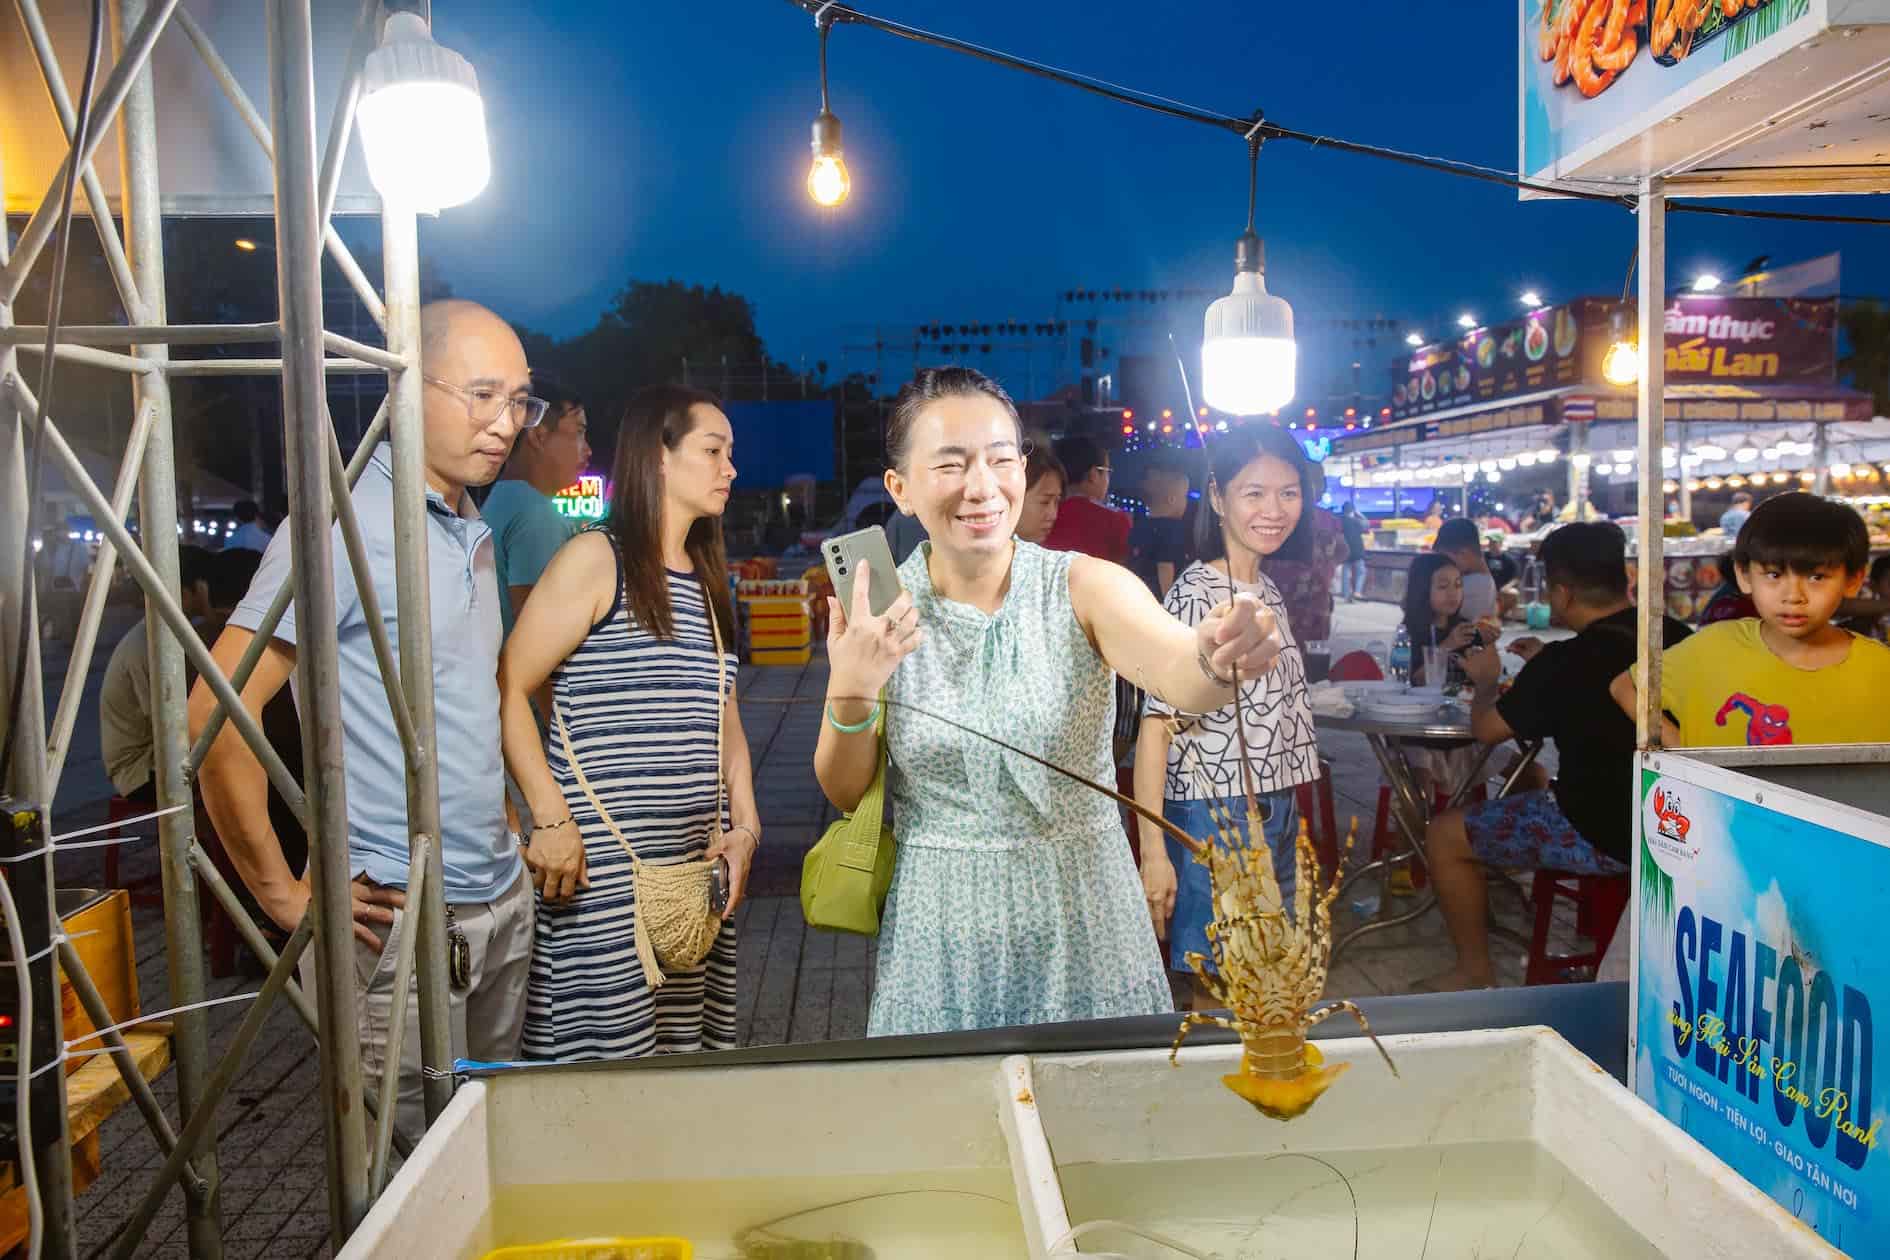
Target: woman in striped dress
{"x":625,"y":623}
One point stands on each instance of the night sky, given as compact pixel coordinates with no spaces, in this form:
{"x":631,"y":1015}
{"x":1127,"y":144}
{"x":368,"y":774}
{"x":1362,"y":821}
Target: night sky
{"x":655,"y":141}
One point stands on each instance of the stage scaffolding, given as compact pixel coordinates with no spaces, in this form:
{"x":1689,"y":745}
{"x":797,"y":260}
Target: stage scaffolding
{"x":359,"y":1128}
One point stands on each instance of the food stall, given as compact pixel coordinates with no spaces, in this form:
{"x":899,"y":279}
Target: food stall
{"x":1759,"y":870}
{"x":1751,"y":400}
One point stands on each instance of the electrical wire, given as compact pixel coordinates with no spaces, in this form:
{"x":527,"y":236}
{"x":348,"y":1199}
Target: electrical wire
{"x":829,"y":13}
{"x":29,"y":603}
{"x":22,"y":1108}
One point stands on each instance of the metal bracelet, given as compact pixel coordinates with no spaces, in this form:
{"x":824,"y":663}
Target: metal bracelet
{"x":752,"y":833}
{"x":553,"y":826}
{"x":1207,"y":668}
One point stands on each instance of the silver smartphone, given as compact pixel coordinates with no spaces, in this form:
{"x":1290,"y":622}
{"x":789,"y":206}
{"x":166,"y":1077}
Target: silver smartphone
{"x":843,"y":556}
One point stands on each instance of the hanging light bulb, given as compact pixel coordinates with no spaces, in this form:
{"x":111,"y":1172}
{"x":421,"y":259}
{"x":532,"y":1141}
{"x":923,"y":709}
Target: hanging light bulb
{"x":1622,"y":364}
{"x":1770,"y":452}
{"x":1780,"y":478}
{"x":1548,"y":455}
{"x":1807,"y":478}
{"x":1495,"y":476}
{"x":423,"y":125}
{"x":1624,"y":455}
{"x":1736,"y":482}
{"x":1581,"y":459}
{"x":1526,"y":458}
{"x":1604,"y":470}
{"x":1841,"y":471}
{"x":1714,"y":483}
{"x":1507,"y":464}
{"x":1746,"y":454}
{"x":1248,"y":355}
{"x":1670,"y":487}
{"x":1713,"y":452}
{"x":827,"y":180}
{"x":1693,"y":485}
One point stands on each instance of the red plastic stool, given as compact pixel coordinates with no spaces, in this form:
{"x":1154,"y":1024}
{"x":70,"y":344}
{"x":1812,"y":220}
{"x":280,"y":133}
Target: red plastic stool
{"x":1599,"y":902}
{"x":144,"y":892}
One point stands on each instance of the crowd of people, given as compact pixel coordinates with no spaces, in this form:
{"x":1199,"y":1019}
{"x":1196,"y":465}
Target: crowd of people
{"x":588,"y":729}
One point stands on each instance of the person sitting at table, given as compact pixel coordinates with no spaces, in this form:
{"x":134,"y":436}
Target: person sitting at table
{"x":1460,"y":540}
{"x":1583,"y":823}
{"x":1188,"y":766}
{"x":1433,"y":618}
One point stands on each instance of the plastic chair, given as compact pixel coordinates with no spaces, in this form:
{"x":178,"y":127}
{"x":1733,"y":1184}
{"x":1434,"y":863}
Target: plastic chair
{"x":1355,"y":666}
{"x":1599,"y":902}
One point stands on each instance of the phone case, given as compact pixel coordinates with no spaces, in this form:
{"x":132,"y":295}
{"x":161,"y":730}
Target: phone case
{"x":843,"y":556}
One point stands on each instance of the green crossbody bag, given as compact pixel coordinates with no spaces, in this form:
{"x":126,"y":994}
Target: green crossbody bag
{"x":845,"y":876}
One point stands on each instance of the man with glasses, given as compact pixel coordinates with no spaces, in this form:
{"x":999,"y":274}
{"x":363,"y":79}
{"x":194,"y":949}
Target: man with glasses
{"x":1085,"y":522}
{"x":477,"y":398}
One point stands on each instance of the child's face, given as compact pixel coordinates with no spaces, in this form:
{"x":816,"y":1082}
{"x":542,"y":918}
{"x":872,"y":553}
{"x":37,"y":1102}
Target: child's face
{"x":1446,"y":591}
{"x":1798,"y":605}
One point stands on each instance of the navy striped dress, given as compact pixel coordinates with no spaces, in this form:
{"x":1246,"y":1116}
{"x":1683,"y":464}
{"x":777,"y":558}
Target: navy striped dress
{"x":641,"y":712}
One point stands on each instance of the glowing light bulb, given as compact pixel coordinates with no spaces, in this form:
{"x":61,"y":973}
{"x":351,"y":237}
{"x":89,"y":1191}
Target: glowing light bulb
{"x":1714,"y":483}
{"x":1622,"y":366}
{"x":827,"y":181}
{"x":1746,"y":454}
{"x":1736,"y":481}
{"x":1841,"y":471}
{"x":1526,"y":458}
{"x":1547,"y":456}
{"x":422,"y":122}
{"x":1604,"y":470}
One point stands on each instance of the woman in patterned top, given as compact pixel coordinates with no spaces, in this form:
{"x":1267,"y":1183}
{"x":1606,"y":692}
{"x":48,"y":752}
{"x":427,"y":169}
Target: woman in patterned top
{"x":1260,"y":493}
{"x":1014,"y":899}
{"x":625,"y":622}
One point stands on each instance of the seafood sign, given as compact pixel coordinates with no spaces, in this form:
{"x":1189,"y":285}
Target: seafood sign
{"x":1759,"y":966}
{"x":1597,"y":73}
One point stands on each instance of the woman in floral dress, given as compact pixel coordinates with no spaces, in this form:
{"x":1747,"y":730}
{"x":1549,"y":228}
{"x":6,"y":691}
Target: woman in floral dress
{"x":1014,"y":898}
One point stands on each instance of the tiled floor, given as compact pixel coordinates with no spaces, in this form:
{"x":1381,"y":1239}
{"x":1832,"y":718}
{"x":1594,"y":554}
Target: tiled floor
{"x":795,"y":985}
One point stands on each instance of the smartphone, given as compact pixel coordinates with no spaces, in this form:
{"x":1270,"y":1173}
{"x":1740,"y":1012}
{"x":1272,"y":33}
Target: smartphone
{"x":718,"y":886}
{"x":844,"y":554}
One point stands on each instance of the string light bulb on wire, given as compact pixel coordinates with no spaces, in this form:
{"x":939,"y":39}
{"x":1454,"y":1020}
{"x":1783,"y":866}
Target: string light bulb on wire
{"x":1249,"y":359}
{"x":827,"y":180}
{"x":423,"y":124}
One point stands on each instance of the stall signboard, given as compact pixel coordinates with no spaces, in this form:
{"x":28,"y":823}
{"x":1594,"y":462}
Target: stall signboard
{"x":1750,"y":341}
{"x":1759,"y":965}
{"x":1540,"y":351}
{"x":1577,"y":112}
{"x":1710,"y":340}
{"x":587,"y":499}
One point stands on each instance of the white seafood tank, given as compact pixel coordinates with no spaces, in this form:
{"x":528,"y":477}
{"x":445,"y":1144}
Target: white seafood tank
{"x":1504,"y":1142}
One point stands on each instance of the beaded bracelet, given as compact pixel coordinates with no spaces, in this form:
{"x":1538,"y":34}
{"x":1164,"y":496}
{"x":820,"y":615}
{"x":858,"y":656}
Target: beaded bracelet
{"x":857,"y":727}
{"x":553,"y":826}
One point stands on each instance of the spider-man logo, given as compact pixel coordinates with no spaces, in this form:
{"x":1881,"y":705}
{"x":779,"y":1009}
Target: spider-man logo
{"x":1766,"y":724}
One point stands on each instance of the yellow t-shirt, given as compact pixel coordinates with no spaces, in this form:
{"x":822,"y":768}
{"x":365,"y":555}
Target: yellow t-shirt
{"x":1724,"y":686}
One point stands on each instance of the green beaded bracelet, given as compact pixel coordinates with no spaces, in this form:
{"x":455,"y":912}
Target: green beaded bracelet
{"x":856,"y":728}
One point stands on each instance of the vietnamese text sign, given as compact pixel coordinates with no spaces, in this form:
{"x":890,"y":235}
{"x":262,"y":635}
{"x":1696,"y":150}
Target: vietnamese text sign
{"x":1759,"y":964}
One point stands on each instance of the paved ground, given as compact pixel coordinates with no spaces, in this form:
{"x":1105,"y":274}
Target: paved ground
{"x":796,"y":985}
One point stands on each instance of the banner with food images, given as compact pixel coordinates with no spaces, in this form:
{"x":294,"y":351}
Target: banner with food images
{"x":1709,"y":340}
{"x":1608,"y":70}
{"x":1758,"y":968}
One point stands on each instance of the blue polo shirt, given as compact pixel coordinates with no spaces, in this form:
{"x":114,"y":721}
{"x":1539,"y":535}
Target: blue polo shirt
{"x":479,"y":860}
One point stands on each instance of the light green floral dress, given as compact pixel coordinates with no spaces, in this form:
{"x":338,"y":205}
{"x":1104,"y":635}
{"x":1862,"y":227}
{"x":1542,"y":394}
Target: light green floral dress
{"x":1014,"y":899}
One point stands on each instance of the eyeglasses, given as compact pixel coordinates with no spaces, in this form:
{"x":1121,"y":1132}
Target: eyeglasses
{"x":484,"y":405}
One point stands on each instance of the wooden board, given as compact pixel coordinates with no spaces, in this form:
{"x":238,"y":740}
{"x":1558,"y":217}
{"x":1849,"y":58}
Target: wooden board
{"x":101,"y":934}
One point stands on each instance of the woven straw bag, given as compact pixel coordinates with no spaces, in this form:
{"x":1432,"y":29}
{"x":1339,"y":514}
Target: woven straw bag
{"x":675,"y":928}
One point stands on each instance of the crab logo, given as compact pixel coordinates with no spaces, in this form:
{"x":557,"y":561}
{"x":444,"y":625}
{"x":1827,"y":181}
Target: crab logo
{"x":1670,"y":819}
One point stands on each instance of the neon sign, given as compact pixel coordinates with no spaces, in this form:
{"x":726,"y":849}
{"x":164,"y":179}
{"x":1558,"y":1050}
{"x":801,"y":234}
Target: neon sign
{"x":588,"y":500}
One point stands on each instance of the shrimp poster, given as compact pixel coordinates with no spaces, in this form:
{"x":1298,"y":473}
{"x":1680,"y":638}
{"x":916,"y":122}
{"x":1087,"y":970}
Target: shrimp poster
{"x":1759,"y":969}
{"x":1597,"y":74}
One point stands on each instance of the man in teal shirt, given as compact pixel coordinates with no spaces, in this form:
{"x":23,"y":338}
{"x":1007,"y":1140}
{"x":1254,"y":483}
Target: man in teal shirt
{"x":527,"y":528}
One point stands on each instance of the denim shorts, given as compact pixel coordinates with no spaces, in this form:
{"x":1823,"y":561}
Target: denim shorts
{"x":1194,"y":893}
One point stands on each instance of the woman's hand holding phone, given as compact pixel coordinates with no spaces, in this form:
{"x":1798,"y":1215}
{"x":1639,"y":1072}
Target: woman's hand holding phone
{"x":863,"y":649}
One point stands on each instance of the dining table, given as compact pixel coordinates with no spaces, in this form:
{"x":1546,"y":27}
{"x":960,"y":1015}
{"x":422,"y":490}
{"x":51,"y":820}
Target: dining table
{"x":1388,"y":732}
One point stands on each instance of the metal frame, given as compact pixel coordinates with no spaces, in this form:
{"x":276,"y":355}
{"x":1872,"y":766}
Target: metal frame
{"x":306,"y":182}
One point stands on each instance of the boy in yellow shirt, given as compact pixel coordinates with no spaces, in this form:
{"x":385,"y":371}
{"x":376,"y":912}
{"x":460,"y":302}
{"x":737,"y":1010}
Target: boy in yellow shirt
{"x":1789,"y":676}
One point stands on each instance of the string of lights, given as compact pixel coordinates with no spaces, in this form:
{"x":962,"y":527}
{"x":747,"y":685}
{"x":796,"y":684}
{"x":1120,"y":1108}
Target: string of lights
{"x":1255,"y":127}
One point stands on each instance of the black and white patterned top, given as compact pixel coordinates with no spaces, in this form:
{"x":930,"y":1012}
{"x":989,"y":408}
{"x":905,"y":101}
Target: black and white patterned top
{"x":1204,"y":760}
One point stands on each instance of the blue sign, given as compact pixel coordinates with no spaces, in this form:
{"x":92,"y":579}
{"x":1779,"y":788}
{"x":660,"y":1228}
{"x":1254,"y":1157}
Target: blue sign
{"x":1759,"y":966}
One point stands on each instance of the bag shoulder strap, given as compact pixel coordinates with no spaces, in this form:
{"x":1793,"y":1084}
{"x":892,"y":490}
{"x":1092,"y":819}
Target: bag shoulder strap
{"x":869,"y":815}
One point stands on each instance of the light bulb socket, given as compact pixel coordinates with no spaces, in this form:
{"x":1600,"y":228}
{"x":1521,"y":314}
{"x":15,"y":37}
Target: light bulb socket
{"x":826,"y":134}
{"x":408,"y":54}
{"x":1250,"y":254}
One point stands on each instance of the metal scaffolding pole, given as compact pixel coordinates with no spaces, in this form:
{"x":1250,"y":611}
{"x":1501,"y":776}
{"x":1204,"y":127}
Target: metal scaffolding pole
{"x":52,"y":1153}
{"x":401,"y":251}
{"x":305,"y":412}
{"x":183,"y":943}
{"x":1652,"y":588}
